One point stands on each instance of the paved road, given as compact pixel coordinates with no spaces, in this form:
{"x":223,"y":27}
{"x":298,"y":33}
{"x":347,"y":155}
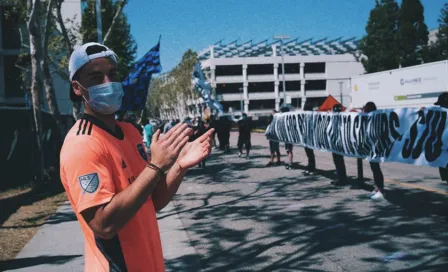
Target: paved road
{"x":237,"y":215}
{"x":242,"y":216}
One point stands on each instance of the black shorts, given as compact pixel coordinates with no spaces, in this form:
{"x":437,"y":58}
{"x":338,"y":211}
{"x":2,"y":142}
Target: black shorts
{"x":244,"y":141}
{"x":274,"y":146}
{"x":288,"y":148}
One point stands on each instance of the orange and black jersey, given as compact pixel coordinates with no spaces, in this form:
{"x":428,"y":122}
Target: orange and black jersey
{"x":96,"y":164}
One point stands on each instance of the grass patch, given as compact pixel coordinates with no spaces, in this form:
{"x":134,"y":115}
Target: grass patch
{"x":22,"y":212}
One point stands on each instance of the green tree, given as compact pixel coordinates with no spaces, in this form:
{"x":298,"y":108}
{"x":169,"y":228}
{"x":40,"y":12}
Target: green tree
{"x":442,"y":35}
{"x":119,"y":40}
{"x":170,"y":92}
{"x":379,"y":46}
{"x":412,"y":34}
{"x":439,"y":49}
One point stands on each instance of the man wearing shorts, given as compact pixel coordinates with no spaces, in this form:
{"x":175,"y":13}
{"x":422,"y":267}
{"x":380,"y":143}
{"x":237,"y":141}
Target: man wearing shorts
{"x":113,"y":188}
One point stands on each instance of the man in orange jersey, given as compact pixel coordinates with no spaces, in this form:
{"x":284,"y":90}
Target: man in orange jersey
{"x":113,"y":188}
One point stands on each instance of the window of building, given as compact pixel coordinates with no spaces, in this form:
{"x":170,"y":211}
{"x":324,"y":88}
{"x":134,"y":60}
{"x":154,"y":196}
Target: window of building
{"x":260,"y":69}
{"x":290,"y":85}
{"x":290,"y":68}
{"x":228,"y":88}
{"x":13,"y":77}
{"x":10,"y":28}
{"x":314,"y":68}
{"x":229,"y":70}
{"x":265,"y":104}
{"x":236,"y":105}
{"x":315,"y":85}
{"x":261,"y":87}
{"x":296,"y":102}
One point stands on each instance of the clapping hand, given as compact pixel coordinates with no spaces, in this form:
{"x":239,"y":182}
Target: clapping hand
{"x":196,"y":151}
{"x":166,"y":149}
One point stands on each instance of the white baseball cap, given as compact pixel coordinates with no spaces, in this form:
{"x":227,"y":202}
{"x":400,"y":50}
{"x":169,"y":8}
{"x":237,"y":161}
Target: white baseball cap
{"x":81,"y":56}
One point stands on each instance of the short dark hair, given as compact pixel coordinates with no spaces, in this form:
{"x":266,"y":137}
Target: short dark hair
{"x":337,"y":108}
{"x":369,"y":107}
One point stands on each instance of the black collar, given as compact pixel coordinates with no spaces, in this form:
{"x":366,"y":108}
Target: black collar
{"x":97,"y":122}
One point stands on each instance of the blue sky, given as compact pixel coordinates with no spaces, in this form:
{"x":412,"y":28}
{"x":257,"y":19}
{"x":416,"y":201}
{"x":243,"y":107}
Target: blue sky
{"x":196,"y":24}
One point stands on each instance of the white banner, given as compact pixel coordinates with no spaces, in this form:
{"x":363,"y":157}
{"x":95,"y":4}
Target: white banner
{"x":406,"y":135}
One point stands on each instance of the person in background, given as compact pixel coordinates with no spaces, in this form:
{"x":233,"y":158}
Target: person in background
{"x":311,"y":170}
{"x":288,"y":147}
{"x":274,"y":146}
{"x":378,"y":178}
{"x":131,"y":118}
{"x":148,"y":132}
{"x":245,"y":127}
{"x":338,"y":160}
{"x":225,"y":127}
{"x":199,"y":129}
{"x":442,"y":102}
{"x":168,"y":126}
{"x":212,"y":124}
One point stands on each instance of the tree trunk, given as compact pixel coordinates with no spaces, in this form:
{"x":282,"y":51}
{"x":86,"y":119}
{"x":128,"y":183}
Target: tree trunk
{"x":48,"y":80}
{"x":35,"y":44}
{"x":114,"y":20}
{"x":76,"y":106}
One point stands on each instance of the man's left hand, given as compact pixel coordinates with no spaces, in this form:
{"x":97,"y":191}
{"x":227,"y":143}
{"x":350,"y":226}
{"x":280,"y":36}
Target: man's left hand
{"x":194,"y":152}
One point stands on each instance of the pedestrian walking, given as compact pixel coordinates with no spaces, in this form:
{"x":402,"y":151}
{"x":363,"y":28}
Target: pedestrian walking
{"x":113,"y":188}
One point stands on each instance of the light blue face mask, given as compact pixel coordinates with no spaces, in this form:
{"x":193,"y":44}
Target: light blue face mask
{"x":105,"y":98}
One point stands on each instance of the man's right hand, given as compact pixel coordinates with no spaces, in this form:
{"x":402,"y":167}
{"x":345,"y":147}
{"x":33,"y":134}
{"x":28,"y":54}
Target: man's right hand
{"x":166,"y":149}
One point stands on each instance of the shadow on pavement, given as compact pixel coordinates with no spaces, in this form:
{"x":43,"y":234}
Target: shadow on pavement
{"x":291,"y":223}
{"x":186,"y":263}
{"x":34,"y":261}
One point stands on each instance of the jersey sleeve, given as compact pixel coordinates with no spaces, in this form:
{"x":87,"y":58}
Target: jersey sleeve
{"x":87,"y":174}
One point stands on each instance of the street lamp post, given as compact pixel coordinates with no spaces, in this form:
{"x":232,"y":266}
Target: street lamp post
{"x":281,"y":38}
{"x":340,"y":91}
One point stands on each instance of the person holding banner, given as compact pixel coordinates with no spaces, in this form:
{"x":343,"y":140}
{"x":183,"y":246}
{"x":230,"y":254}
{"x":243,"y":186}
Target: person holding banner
{"x":311,"y":169}
{"x":274,"y":146}
{"x":338,"y":160}
{"x":288,"y":146}
{"x":442,"y":102}
{"x":378,"y":178}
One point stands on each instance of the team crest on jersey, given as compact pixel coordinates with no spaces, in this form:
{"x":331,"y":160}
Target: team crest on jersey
{"x":142,"y":151}
{"x":89,"y":183}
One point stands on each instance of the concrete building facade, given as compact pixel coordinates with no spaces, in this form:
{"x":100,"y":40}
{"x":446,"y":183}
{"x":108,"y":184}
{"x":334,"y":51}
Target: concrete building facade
{"x":248,"y":76}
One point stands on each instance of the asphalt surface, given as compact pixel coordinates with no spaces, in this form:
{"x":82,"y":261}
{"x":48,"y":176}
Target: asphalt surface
{"x":243,"y":216}
{"x":238,"y":215}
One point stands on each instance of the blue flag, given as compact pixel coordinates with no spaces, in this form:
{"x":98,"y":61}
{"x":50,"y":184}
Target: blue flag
{"x":135,"y":86}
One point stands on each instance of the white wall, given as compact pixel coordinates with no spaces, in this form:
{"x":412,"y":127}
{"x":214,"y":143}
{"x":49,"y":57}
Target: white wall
{"x":333,"y":88}
{"x":337,"y":70}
